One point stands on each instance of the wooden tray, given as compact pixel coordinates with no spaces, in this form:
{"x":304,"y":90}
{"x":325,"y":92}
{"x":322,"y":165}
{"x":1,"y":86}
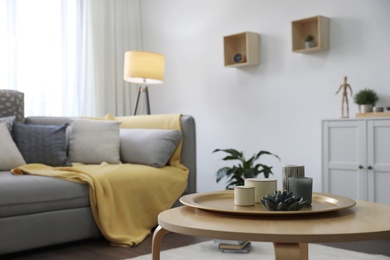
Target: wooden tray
{"x":223,"y":202}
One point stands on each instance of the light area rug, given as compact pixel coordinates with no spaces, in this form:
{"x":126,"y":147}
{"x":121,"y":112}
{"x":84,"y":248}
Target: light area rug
{"x":259,"y":250}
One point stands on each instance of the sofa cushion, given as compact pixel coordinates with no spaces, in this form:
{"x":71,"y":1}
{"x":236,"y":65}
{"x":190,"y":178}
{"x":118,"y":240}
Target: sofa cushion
{"x":94,"y":141}
{"x":163,"y":121}
{"x":9,"y":121}
{"x":10,"y":157}
{"x":42,"y":143}
{"x":151,"y":147}
{"x":28,"y":194}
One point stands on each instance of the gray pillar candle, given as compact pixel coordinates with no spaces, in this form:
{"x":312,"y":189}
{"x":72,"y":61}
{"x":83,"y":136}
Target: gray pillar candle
{"x":301,"y":187}
{"x":289,"y":171}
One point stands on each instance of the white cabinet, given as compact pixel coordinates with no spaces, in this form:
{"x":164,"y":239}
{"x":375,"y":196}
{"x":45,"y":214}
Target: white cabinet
{"x":356,"y":158}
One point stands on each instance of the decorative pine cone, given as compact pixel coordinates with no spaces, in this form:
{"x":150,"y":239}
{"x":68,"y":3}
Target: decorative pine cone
{"x":283,"y":201}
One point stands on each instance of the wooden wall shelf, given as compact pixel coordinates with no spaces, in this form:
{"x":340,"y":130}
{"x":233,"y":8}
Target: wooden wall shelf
{"x":318,"y":26}
{"x":247,"y":44}
{"x":373,"y":114}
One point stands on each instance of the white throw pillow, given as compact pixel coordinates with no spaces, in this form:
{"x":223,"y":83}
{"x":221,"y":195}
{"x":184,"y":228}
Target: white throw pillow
{"x":10,"y":157}
{"x":94,"y":141}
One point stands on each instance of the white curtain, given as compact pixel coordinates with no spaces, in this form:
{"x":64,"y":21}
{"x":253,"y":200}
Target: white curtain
{"x":67,"y":55}
{"x":113,"y":27}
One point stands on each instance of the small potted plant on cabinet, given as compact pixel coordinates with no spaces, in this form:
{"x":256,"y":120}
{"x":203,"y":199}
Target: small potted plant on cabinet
{"x":366,"y":99}
{"x":246,"y":168}
{"x":309,"y":42}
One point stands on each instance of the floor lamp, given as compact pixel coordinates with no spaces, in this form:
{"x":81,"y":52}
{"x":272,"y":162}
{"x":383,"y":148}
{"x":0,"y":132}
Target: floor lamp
{"x":144,"y":68}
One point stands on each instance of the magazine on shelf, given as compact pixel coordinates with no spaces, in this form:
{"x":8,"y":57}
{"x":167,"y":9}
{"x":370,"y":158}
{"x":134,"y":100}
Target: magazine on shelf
{"x":245,"y":249}
{"x":233,"y":246}
{"x":230,"y":242}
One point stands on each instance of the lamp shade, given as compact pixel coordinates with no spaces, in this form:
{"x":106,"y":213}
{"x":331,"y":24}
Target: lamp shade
{"x":144,"y":67}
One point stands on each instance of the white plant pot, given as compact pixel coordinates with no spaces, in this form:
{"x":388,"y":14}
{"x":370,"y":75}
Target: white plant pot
{"x":309,"y":45}
{"x":365,"y":108}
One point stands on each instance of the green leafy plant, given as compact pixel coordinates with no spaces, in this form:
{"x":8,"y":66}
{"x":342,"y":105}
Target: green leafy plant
{"x":246,"y":168}
{"x":309,"y":38}
{"x":366,"y":97}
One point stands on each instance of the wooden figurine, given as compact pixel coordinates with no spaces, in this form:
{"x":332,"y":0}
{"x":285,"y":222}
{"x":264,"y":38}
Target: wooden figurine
{"x":345,"y":86}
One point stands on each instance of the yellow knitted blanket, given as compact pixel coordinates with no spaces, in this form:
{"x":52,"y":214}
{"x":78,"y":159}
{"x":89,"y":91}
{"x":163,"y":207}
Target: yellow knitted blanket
{"x":125,"y":198}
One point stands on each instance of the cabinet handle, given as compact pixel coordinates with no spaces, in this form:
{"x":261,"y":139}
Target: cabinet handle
{"x":370,"y":167}
{"x":361,"y":167}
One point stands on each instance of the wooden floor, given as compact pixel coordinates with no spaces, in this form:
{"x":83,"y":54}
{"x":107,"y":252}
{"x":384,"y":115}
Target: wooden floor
{"x":100,"y":249}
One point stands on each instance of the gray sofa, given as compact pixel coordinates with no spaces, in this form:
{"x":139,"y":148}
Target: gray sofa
{"x":40,"y":211}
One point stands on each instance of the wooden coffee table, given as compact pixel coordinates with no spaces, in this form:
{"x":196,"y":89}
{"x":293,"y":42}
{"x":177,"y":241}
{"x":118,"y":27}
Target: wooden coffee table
{"x":289,"y":234}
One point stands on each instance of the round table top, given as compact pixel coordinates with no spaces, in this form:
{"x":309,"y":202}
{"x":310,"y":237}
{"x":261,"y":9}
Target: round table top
{"x":364,"y":221}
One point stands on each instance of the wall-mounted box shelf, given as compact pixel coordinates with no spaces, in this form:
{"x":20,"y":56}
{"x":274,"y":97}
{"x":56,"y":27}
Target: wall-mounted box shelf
{"x":247,"y":44}
{"x":317,"y":26}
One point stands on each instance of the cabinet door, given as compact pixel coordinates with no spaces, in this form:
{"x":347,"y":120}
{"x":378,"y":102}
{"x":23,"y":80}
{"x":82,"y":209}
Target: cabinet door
{"x":344,"y":158}
{"x":378,"y":160}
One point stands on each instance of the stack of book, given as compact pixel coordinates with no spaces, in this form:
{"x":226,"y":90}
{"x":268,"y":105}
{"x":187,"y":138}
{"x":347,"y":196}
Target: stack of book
{"x":233,"y":246}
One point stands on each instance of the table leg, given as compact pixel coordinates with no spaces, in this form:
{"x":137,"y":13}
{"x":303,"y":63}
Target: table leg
{"x":293,"y":251}
{"x":158,"y":234}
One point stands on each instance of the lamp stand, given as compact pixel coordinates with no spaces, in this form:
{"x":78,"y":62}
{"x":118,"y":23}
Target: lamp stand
{"x":142,"y":89}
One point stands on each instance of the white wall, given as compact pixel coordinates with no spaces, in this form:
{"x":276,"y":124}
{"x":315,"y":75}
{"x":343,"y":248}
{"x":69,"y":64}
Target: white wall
{"x":276,"y":106}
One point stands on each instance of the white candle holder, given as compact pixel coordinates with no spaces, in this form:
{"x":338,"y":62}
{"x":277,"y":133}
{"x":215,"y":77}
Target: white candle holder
{"x":244,"y":196}
{"x":262,"y":187}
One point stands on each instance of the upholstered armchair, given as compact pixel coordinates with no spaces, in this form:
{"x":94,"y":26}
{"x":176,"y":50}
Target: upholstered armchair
{"x":12,"y":103}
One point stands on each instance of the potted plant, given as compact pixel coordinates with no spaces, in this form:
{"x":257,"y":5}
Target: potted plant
{"x":309,"y":42}
{"x":366,"y":99}
{"x":246,"y":168}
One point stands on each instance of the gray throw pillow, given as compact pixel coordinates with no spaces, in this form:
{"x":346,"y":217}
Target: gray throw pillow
{"x":94,"y":141}
{"x":9,"y":121}
{"x":10,"y":156}
{"x":42,"y":143}
{"x":151,"y":147}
